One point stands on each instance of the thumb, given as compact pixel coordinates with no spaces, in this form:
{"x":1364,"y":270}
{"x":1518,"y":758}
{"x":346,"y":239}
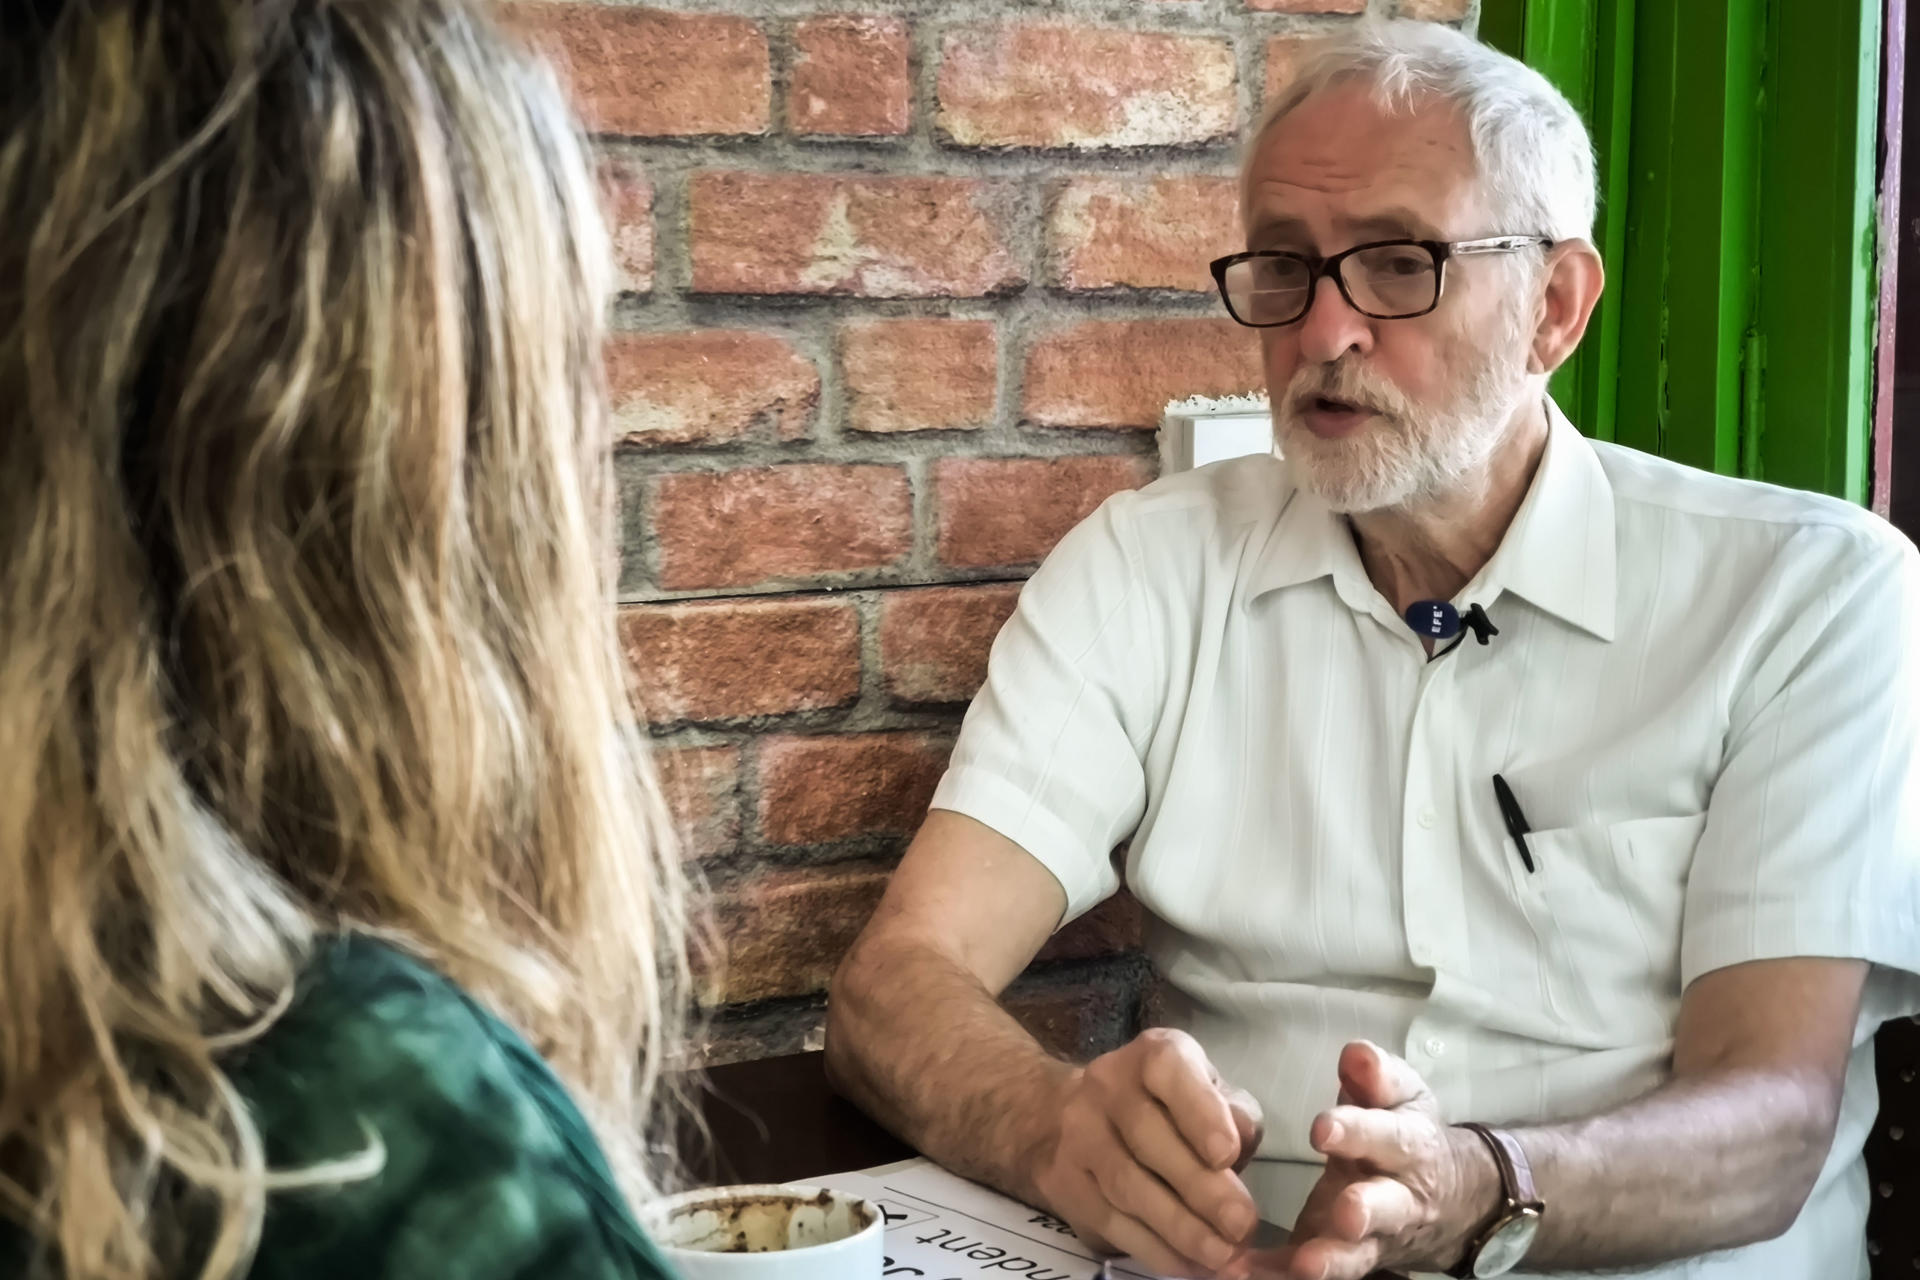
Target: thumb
{"x":1372,"y":1077}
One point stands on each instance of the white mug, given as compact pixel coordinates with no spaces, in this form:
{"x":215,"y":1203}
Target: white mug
{"x":768,"y":1232}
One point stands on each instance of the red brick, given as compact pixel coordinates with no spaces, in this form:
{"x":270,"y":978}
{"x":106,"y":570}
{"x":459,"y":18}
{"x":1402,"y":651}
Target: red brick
{"x":708,"y":385}
{"x":873,"y":237}
{"x":850,"y":76}
{"x":785,"y":931}
{"x":628,"y":199}
{"x":1308,"y":6}
{"x":934,"y":641}
{"x":1283,"y":58}
{"x":919,"y":375}
{"x":767,"y":524}
{"x":703,"y":792}
{"x":736,"y":659}
{"x":1122,"y":373}
{"x":820,"y":788}
{"x":1114,"y":926}
{"x":1105,"y":233}
{"x":1085,"y":88}
{"x":652,"y":72}
{"x":1435,"y":10}
{"x":1010,"y":511}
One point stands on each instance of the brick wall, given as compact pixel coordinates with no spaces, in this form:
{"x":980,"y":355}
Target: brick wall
{"x":906,"y":285}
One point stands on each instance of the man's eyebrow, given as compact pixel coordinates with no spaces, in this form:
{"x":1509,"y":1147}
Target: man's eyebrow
{"x":1402,"y":222}
{"x":1387,"y":223}
{"x":1267,"y":230}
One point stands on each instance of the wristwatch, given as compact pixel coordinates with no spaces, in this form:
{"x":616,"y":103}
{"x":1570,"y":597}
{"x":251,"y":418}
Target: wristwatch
{"x":1498,"y":1247}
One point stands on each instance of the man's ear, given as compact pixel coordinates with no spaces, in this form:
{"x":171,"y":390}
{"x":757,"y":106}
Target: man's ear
{"x":1574,"y":280}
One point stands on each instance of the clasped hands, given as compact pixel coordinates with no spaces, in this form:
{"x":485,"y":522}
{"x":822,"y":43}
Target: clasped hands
{"x":1150,"y":1144}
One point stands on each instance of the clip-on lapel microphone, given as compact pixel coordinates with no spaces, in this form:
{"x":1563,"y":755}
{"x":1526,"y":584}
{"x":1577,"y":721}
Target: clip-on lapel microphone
{"x":1438,"y":620}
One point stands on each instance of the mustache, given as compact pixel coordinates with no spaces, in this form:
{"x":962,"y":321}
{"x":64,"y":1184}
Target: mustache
{"x":1346,"y":382}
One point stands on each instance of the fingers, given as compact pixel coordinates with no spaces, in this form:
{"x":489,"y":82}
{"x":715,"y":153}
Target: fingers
{"x":1175,"y":1070}
{"x":1254,"y":1264}
{"x":1224,"y":1207}
{"x":1314,"y":1261}
{"x":1372,"y":1077}
{"x":1249,"y":1122}
{"x":1380,"y":1207}
{"x":1259,"y":1264}
{"x":1346,"y":1227}
{"x":1126,"y":1233}
{"x":1323,"y":1259}
{"x":1139,"y":1198}
{"x":1390,"y":1141}
{"x":1143,"y":1151}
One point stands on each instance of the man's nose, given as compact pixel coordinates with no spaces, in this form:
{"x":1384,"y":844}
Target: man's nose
{"x":1331,"y":328}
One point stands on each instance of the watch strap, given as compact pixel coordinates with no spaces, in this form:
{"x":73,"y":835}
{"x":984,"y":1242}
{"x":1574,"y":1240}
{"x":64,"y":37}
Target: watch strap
{"x":1516,"y":1172}
{"x":1517,"y":1191}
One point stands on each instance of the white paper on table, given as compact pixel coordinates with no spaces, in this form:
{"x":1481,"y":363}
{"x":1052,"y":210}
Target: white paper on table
{"x":942,"y":1227}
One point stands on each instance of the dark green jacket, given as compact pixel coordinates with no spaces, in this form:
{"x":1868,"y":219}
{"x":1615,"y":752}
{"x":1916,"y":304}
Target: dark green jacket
{"x":491,"y":1172}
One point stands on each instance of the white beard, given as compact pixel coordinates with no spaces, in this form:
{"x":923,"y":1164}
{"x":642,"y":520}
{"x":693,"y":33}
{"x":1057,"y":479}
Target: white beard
{"x":1411,"y":453}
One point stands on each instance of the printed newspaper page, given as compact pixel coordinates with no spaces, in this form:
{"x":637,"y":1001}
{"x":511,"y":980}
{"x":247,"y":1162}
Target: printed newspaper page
{"x":942,"y":1227}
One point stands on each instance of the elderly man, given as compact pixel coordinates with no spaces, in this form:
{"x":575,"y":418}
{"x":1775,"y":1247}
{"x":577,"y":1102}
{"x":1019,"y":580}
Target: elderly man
{"x":1558,"y":950}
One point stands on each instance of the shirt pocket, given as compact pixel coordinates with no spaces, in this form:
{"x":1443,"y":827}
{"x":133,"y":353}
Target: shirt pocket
{"x":1607,"y":903}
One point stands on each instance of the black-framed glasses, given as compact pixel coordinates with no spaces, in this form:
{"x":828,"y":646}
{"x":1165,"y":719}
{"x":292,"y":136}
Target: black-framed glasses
{"x":1384,"y":279}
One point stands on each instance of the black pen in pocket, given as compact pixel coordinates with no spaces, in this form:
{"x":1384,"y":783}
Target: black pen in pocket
{"x":1516,"y":820}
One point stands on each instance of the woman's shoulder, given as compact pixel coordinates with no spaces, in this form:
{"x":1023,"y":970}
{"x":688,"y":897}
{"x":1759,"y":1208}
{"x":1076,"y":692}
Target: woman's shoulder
{"x":481,"y":1165}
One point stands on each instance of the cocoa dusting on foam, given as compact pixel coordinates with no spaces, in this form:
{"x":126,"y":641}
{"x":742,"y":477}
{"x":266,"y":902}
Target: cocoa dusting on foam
{"x":731,"y":1212}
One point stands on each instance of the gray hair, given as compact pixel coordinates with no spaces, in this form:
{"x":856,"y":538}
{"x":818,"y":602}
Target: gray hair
{"x":1534,"y":154}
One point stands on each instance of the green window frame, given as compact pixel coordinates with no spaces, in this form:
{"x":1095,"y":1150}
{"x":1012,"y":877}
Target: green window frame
{"x":1737,"y":150}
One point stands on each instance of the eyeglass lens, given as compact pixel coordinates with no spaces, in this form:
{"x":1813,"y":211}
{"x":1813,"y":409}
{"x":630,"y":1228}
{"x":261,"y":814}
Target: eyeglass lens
{"x":1386,"y":281}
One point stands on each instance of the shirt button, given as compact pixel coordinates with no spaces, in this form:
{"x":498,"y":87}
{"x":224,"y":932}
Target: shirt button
{"x":1435,"y":1047}
{"x":1427,"y":819}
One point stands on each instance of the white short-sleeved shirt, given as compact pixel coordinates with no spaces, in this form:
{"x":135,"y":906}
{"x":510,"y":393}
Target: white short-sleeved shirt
{"x":1705,"y":695}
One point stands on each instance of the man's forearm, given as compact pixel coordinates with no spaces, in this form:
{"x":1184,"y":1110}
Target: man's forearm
{"x":1698,"y":1165}
{"x":916,"y":1040}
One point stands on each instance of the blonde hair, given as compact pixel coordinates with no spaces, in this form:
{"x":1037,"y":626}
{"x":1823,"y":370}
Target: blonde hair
{"x":306,"y":624}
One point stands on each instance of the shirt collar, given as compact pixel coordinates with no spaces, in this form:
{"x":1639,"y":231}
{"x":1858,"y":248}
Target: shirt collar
{"x":1310,"y":541}
{"x":1558,"y":554}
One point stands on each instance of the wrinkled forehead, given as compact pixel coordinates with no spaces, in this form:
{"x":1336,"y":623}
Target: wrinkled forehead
{"x":1343,"y":166}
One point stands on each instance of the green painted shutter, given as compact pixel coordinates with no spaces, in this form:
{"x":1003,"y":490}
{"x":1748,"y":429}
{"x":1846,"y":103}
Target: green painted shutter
{"x":1736,"y":149}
